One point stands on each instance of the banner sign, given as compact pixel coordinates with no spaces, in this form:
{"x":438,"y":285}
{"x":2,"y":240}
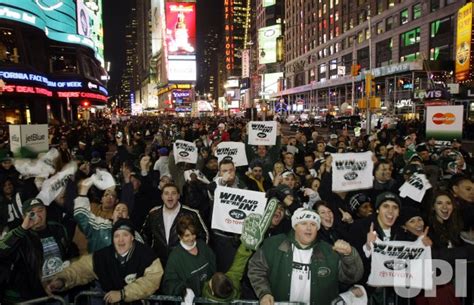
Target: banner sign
{"x":262,"y":133}
{"x":352,"y":171}
{"x":234,"y":151}
{"x":444,"y":122}
{"x":415,"y":187}
{"x":231,"y":207}
{"x":33,"y":137}
{"x":401,"y":264}
{"x":463,"y":43}
{"x":185,"y":151}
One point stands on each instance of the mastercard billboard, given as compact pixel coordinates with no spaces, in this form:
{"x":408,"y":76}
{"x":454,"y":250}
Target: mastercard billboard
{"x":444,"y":122}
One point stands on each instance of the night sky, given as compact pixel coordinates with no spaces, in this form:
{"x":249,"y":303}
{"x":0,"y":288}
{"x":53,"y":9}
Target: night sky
{"x":116,"y":15}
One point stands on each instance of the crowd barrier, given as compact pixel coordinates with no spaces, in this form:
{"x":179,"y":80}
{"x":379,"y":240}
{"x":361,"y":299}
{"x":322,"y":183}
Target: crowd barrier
{"x":54,"y":299}
{"x":96,"y":298}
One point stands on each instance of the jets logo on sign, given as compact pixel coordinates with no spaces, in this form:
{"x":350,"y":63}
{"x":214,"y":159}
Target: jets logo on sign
{"x":395,"y":264}
{"x":261,"y":135}
{"x":237,"y":214}
{"x":351,"y":176}
{"x":183,"y":154}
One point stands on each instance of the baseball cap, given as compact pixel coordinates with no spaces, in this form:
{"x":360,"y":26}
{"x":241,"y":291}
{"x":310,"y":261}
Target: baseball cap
{"x":31,"y":203}
{"x":333,"y":136}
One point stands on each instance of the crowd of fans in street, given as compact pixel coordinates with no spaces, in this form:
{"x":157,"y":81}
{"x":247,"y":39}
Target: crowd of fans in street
{"x":151,"y":232}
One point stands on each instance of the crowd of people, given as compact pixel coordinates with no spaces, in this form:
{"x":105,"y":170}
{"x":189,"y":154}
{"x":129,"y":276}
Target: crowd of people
{"x":150,"y":233}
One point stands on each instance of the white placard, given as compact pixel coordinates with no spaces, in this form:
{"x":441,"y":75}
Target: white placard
{"x":352,"y":171}
{"x":235,"y":151}
{"x":262,"y":133}
{"x":33,"y":137}
{"x":231,"y":207}
{"x":401,"y":264}
{"x":415,"y":187}
{"x":185,"y":151}
{"x":53,"y":186}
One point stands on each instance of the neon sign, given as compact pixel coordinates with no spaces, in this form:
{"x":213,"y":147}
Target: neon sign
{"x":51,"y":84}
{"x":76,"y":94}
{"x":229,"y":37}
{"x":27,"y":90}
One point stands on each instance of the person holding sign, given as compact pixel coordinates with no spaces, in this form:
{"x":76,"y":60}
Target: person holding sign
{"x":379,"y":226}
{"x":297,"y":267}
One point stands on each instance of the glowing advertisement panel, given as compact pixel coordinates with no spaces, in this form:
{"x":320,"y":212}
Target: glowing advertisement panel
{"x":444,"y":122}
{"x":268,"y":3}
{"x":181,"y":28}
{"x":57,"y":18}
{"x":463,"y":42}
{"x":271,"y":83}
{"x":157,"y":25}
{"x":267,"y":43}
{"x":182,"y":70}
{"x":89,"y":24}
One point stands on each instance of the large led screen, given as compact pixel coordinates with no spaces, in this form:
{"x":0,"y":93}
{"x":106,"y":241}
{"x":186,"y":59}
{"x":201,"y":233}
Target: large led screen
{"x":58,"y":19}
{"x":181,"y":28}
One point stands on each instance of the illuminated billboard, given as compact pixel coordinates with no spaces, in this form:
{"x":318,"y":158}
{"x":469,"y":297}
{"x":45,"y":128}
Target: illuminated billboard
{"x":181,"y":28}
{"x":270,"y":83}
{"x":267,"y":42}
{"x":463,"y":42}
{"x":181,"y":70}
{"x":268,"y":3}
{"x":89,"y":24}
{"x":157,"y":25}
{"x":58,"y":20}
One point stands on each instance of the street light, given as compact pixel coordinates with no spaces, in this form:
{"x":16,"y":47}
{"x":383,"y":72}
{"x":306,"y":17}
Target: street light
{"x":263,"y":103}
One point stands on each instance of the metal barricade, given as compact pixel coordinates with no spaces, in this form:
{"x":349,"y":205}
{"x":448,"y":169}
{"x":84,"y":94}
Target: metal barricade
{"x":54,"y":299}
{"x":96,"y":298}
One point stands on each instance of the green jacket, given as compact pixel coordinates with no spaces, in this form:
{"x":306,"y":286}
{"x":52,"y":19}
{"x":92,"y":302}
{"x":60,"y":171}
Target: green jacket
{"x":270,"y":270}
{"x":184,"y":270}
{"x":97,"y":230}
{"x":235,"y":274}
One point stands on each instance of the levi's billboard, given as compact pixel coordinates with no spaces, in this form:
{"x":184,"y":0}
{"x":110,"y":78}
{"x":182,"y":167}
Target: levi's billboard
{"x":181,"y":28}
{"x":444,"y":122}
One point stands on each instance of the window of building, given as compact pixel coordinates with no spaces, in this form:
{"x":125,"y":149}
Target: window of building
{"x":448,"y":2}
{"x":64,"y":60}
{"x":367,"y":34}
{"x":404,"y":16}
{"x":410,"y":57}
{"x":434,"y":4}
{"x":388,"y":23}
{"x":380,"y":28}
{"x":360,"y":37}
{"x":441,"y":53}
{"x":441,"y":26}
{"x":362,"y":16}
{"x":416,"y":11}
{"x":391,"y":3}
{"x":380,"y":6}
{"x":8,"y":46}
{"x":410,"y":38}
